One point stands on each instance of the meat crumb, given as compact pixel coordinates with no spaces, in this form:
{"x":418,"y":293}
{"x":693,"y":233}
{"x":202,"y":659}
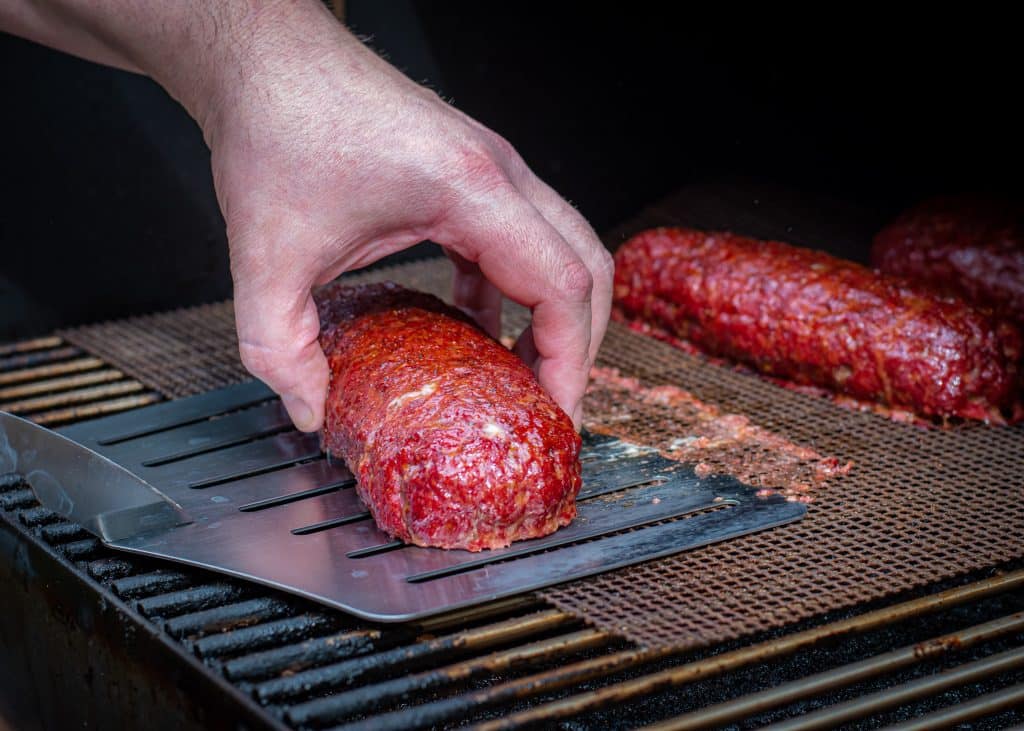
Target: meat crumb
{"x":715,"y":442}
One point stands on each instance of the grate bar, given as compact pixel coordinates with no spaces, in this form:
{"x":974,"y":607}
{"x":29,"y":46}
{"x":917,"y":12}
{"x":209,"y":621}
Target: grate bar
{"x":986,"y":705}
{"x":34,"y":388}
{"x":265,"y":634}
{"x":343,"y":674}
{"x":54,"y":369}
{"x":80,"y":550}
{"x":370,"y":698}
{"x":107,"y":569}
{"x":99,"y":408}
{"x":733,"y":710}
{"x":160,"y":581}
{"x":227,"y":617}
{"x":190,"y":600}
{"x":34,"y":517}
{"x":15,"y":499}
{"x":24,"y":346}
{"x":76,"y":396}
{"x":308,"y":653}
{"x":436,"y":713}
{"x":34,"y":358}
{"x":734,"y":659}
{"x":866,"y":705}
{"x":63,"y":532}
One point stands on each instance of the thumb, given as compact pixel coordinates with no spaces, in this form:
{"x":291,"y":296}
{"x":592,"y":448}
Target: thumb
{"x":278,"y":330}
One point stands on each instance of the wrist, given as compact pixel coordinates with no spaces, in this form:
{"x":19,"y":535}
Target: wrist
{"x":233,"y":55}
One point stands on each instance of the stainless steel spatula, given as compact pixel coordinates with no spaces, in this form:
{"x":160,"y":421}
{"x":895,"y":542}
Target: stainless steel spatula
{"x":222,"y":481}
{"x":82,"y":485}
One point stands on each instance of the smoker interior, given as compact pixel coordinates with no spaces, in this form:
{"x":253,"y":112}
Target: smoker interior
{"x":919,"y":505}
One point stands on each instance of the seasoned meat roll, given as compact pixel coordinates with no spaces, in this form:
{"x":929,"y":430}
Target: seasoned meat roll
{"x":453,"y":442}
{"x":970,"y":247}
{"x":814,"y":319}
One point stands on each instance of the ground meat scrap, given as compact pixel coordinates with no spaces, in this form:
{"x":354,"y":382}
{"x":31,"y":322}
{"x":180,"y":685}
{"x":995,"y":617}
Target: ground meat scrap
{"x":813,"y":319}
{"x":452,"y":441}
{"x":714,"y":441}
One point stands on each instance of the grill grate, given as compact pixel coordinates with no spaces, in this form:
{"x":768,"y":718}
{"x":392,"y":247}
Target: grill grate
{"x":52,"y":383}
{"x":282,"y":662}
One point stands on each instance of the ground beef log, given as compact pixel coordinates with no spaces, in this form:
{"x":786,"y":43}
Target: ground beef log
{"x":813,"y":319}
{"x":971,"y":247}
{"x":453,"y":442}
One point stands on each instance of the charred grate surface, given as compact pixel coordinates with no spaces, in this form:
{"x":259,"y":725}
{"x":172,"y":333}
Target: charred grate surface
{"x":51,"y":382}
{"x":918,"y":506}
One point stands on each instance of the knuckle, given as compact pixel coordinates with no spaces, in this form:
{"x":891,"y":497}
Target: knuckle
{"x":258,"y":360}
{"x":502,"y":148}
{"x":476,"y":169}
{"x":279,"y":368}
{"x":576,"y":281}
{"x":604,"y":269}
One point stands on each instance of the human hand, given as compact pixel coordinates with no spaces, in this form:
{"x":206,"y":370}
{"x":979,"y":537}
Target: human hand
{"x":326,"y":159}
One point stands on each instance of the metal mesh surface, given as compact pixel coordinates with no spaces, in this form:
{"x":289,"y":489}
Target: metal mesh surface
{"x":919,"y":505}
{"x":179,"y":353}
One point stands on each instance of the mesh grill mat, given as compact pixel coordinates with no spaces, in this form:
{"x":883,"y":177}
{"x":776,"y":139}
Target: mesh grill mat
{"x":918,"y":506}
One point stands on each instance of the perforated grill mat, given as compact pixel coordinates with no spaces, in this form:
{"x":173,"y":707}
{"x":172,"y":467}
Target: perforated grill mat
{"x":918,"y":506}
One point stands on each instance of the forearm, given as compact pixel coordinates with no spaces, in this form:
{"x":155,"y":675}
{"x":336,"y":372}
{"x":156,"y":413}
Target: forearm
{"x":325,"y":159}
{"x":198,"y":50}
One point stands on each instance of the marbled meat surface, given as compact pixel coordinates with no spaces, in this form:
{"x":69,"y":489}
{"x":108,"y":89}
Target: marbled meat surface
{"x":968,"y":246}
{"x":453,"y":442}
{"x":814,"y":319}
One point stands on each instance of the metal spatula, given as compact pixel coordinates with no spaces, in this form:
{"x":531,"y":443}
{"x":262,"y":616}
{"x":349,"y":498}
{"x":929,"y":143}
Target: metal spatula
{"x":223,"y":481}
{"x":84,"y":486}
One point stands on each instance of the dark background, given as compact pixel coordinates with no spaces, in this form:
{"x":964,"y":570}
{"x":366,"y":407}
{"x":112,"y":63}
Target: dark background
{"x":108,"y":206}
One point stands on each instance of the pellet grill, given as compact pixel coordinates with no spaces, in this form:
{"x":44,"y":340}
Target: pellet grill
{"x":897,"y":601}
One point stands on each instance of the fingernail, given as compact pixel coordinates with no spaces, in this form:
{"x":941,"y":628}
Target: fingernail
{"x":300,"y":412}
{"x":577,"y":416}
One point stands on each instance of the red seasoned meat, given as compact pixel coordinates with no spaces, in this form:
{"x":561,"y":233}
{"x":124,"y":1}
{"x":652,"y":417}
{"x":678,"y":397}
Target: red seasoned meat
{"x":453,"y":442}
{"x":971,"y":247}
{"x":806,"y":316}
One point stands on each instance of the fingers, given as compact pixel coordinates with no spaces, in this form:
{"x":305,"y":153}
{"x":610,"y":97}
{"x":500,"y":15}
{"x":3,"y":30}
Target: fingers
{"x":278,"y":331}
{"x":525,"y":257}
{"x":581,"y":237}
{"x":475,"y":295}
{"x":525,"y":348}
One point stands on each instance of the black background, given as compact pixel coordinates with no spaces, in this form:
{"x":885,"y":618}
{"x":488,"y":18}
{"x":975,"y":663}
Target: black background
{"x":108,"y":206}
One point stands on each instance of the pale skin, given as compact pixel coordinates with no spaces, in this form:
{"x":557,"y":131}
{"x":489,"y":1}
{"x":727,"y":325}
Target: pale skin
{"x":326,"y":159}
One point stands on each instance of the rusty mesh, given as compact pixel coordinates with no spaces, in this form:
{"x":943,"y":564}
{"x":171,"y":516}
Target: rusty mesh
{"x":919,"y":505}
